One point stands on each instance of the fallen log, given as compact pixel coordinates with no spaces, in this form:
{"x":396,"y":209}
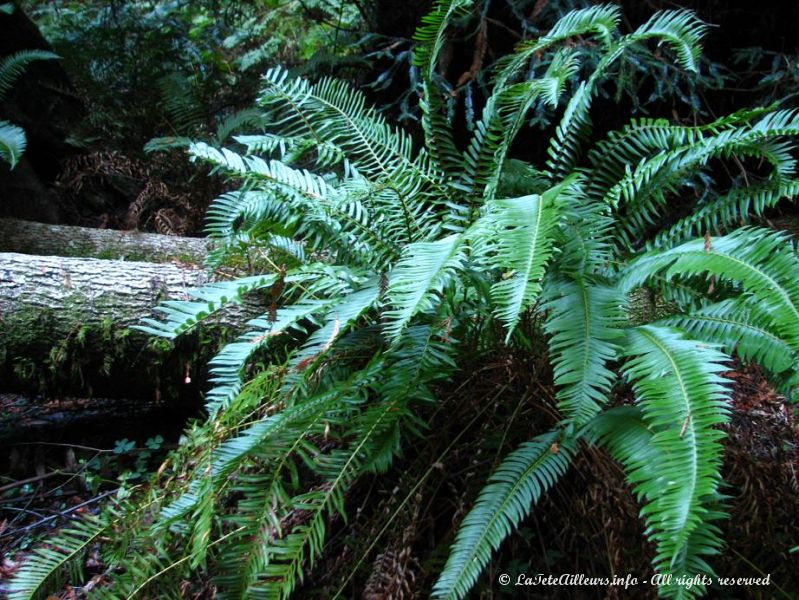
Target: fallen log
{"x":65,"y":322}
{"x":65,"y":329}
{"x":48,"y":419}
{"x":28,"y":237}
{"x":86,"y":291}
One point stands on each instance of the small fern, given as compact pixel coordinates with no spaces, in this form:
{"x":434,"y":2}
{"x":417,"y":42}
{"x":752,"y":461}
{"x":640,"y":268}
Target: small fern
{"x":13,"y":66}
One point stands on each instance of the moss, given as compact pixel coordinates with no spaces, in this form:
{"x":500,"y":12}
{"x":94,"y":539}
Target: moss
{"x":38,"y":354}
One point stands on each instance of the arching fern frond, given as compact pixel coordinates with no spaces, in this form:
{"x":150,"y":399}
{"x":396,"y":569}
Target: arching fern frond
{"x":680,"y":29}
{"x":601,"y":20}
{"x":333,"y":113}
{"x":745,"y":327}
{"x":14,"y":65}
{"x":502,"y":120}
{"x":764,"y":262}
{"x":63,"y":552}
{"x":729,"y":211}
{"x":514,"y":488}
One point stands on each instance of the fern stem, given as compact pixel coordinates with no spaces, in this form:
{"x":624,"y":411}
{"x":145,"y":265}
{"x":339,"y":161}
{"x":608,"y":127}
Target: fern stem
{"x":179,"y":562}
{"x":414,"y":489}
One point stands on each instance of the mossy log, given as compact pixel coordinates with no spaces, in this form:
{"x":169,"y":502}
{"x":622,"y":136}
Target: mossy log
{"x":27,"y":237}
{"x":65,"y":326}
{"x":65,"y":330}
{"x":68,"y":302}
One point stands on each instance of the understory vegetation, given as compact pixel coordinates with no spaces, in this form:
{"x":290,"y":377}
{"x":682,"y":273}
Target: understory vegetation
{"x":611,"y":292}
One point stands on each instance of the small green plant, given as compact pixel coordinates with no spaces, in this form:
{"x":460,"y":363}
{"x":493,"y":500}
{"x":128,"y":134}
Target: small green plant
{"x":395,"y":260}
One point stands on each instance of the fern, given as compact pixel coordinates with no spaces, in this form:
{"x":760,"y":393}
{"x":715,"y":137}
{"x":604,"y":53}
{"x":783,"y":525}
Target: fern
{"x":12,"y":137}
{"x":583,"y":321}
{"x":425,"y":269}
{"x":515,"y":486}
{"x":764,"y":262}
{"x":397,"y":263}
{"x":515,"y":237}
{"x":678,"y":385}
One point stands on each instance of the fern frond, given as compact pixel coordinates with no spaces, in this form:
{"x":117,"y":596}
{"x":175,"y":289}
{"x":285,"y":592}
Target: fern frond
{"x":14,"y":65}
{"x":182,"y":315}
{"x":624,"y":432}
{"x":228,"y":365}
{"x":681,"y":29}
{"x":179,"y":102}
{"x":642,"y":191}
{"x":301,"y":182}
{"x":430,"y":37}
{"x":517,"y":484}
{"x":424,"y":270}
{"x":341,"y":316}
{"x":677,"y":384}
{"x":333,"y":113}
{"x":601,"y":20}
{"x":503,"y":117}
{"x":583,"y":321}
{"x":740,"y":326}
{"x":296,"y":550}
{"x":64,"y":551}
{"x":729,"y":211}
{"x":292,"y":149}
{"x":515,"y":237}
{"x":12,"y":143}
{"x":764,"y":262}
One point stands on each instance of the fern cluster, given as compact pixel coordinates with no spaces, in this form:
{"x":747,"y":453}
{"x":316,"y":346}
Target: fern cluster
{"x":389,"y":260}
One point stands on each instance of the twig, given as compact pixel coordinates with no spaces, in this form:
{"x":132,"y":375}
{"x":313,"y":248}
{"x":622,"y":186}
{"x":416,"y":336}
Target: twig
{"x":11,"y":486}
{"x":58,"y":515}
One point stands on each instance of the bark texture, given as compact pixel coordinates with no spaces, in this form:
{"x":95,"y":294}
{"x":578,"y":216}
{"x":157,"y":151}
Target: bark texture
{"x":89,"y":291}
{"x":28,"y":237}
{"x":65,"y":329}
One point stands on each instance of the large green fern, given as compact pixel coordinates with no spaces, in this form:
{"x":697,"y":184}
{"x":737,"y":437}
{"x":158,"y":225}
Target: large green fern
{"x":394,"y":260}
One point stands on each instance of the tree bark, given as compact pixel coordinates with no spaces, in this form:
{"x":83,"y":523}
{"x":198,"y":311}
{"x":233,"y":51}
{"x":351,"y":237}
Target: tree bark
{"x":27,"y":237}
{"x":89,"y":291}
{"x":65,"y":329}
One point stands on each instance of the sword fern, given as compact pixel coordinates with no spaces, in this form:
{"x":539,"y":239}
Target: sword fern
{"x":418,"y":252}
